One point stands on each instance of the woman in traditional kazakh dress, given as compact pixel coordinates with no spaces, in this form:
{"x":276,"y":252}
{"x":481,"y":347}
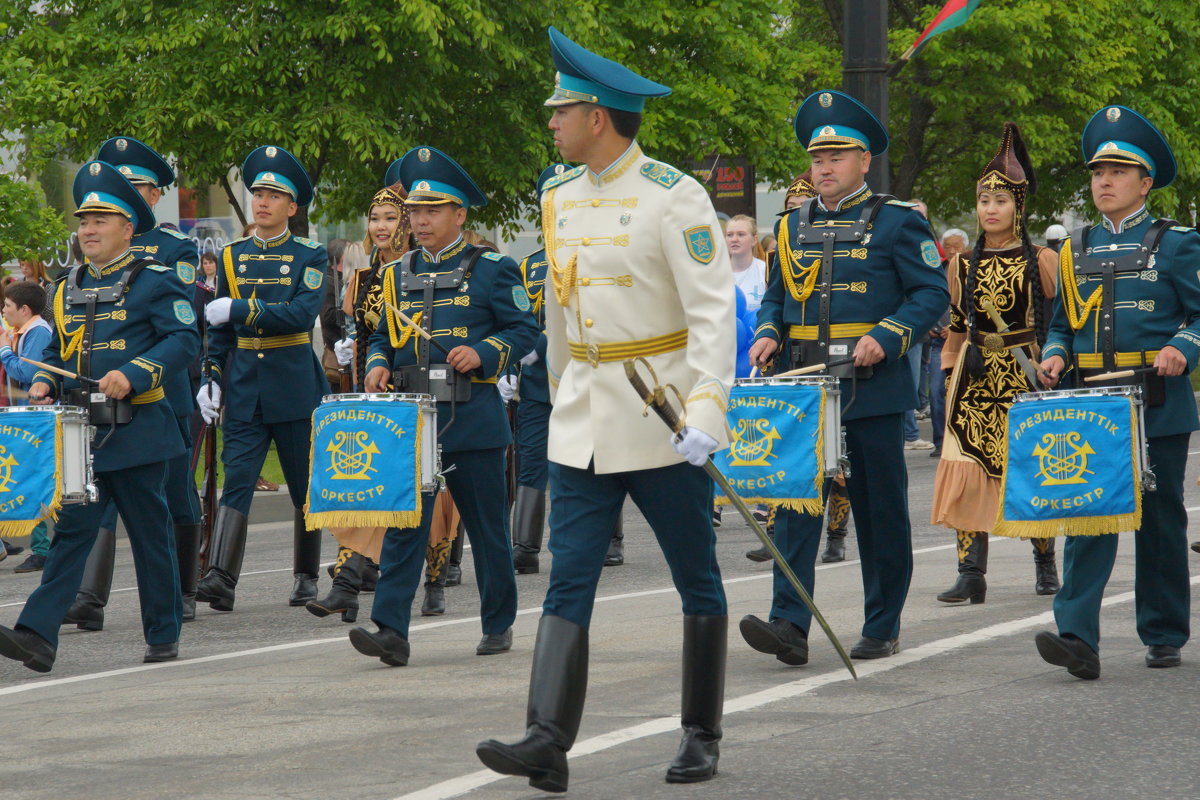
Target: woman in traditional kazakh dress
{"x":1006,"y":276}
{"x":388,"y":238}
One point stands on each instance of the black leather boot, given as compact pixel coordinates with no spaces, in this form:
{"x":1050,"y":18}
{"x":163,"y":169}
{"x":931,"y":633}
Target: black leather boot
{"x":187,"y":555}
{"x":434,"y":604}
{"x":972,"y":566}
{"x":1045,"y":570}
{"x":528,"y":525}
{"x":370,"y":577}
{"x":454,"y":564}
{"x":306,"y":561}
{"x":557,"y":689}
{"x":226,"y":551}
{"x":615,"y":556}
{"x":704,"y":639}
{"x":343,"y":594}
{"x":839,"y":511}
{"x":87,"y":613}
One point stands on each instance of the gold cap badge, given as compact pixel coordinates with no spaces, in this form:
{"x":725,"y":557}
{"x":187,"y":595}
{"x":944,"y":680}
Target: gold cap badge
{"x":828,"y":131}
{"x":272,"y":152}
{"x":122,"y":144}
{"x":423,"y":154}
{"x":1113,"y":114}
{"x":423,"y":186}
{"x":126,"y":171}
{"x":92,"y":198}
{"x":94,"y":169}
{"x":1108,"y":146}
{"x":559,"y":169}
{"x":268,"y":176}
{"x":826,"y":99}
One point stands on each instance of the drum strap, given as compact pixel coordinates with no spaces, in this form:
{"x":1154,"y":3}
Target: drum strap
{"x":1108,"y":267}
{"x":429,"y":282}
{"x":76,"y":294}
{"x":830,"y":237}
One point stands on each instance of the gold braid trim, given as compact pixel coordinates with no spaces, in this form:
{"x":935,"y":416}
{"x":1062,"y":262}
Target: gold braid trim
{"x":1072,"y":300}
{"x":789,"y":261}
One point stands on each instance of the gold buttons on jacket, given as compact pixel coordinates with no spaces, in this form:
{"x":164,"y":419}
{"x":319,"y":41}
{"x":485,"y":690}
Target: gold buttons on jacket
{"x":595,"y":203}
{"x":586,"y":241}
{"x":586,"y":281}
{"x":587,"y":323}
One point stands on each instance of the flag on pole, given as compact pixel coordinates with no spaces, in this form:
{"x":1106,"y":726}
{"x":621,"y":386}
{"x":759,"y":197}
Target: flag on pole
{"x":953,"y":14}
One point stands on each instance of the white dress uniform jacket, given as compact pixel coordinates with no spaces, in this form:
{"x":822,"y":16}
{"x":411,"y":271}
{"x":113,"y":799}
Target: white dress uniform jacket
{"x":638,"y":267}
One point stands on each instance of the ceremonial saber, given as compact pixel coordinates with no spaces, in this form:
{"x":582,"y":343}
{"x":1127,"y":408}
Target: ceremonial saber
{"x":60,"y":371}
{"x":424,"y":334}
{"x":815,"y":368}
{"x":1018,"y":352}
{"x":1124,"y":373}
{"x":656,"y":398}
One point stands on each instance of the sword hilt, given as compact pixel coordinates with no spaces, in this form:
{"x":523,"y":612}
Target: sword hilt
{"x":655,"y":398}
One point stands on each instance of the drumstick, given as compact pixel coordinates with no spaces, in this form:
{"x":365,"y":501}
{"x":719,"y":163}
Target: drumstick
{"x":59,"y":371}
{"x":418,"y":329}
{"x":815,"y":368}
{"x":1110,"y":376}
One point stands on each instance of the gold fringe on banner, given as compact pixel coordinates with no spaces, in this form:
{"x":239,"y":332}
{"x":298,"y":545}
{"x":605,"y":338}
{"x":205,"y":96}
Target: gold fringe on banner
{"x":24,"y":527}
{"x":1077,"y":526}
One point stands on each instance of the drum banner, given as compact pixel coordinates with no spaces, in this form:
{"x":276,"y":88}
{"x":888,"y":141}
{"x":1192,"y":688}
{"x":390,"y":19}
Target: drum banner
{"x":366,"y":465}
{"x":30,"y":470}
{"x":776,"y":449}
{"x":1071,"y":468}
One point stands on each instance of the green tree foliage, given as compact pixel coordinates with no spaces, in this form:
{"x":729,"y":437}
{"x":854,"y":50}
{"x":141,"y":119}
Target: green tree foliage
{"x":27,"y":228}
{"x":1047,"y":65}
{"x":348,"y":85}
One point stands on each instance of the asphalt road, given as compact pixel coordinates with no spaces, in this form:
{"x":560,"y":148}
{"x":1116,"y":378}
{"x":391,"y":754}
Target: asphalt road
{"x":270,"y":702}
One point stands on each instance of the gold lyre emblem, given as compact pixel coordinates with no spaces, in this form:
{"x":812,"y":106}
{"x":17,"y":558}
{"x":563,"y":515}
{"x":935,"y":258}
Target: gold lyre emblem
{"x":350,"y":456}
{"x":753,"y":443}
{"x":6,"y":469}
{"x":1062,"y":459}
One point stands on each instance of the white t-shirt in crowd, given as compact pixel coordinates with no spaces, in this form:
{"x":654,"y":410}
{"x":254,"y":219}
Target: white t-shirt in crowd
{"x":753,"y":283}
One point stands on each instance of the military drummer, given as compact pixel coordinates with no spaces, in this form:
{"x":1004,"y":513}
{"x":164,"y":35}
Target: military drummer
{"x":139,"y":330}
{"x":262,"y":362}
{"x":472,"y":303}
{"x":1118,"y":309}
{"x":150,"y":174}
{"x":858,"y":278}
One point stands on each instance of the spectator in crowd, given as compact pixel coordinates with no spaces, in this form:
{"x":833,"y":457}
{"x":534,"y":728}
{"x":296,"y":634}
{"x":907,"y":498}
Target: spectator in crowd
{"x":768,"y":244}
{"x":208,"y":269}
{"x":26,"y":334}
{"x":749,"y":270}
{"x":1054,"y":236}
{"x":331,"y":317}
{"x":954,"y":243}
{"x":917,"y":356}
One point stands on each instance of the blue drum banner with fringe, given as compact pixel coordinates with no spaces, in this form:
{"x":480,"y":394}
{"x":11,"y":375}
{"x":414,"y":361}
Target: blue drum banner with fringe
{"x":776,"y":451}
{"x":366,"y":465}
{"x":1072,"y":467}
{"x":30,"y":469}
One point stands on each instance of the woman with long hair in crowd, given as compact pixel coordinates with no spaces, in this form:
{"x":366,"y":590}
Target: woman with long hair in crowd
{"x":1009,"y":275}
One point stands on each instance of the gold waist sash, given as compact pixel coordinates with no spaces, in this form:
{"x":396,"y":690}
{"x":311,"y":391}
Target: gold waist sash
{"x":838,"y":330}
{"x":269,"y":342}
{"x":1096,"y":360}
{"x":596,"y":354}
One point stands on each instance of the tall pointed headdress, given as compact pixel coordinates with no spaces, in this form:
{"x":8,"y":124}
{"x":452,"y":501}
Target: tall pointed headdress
{"x":1010,"y":171}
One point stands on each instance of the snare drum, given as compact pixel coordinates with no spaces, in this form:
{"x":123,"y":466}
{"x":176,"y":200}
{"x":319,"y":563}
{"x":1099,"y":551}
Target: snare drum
{"x":833,"y":437}
{"x":74,"y":459}
{"x":430,"y":451}
{"x":372,"y":457}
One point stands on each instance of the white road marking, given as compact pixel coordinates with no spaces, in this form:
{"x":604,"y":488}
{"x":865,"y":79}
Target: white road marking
{"x":53,"y":682}
{"x":456,"y":787}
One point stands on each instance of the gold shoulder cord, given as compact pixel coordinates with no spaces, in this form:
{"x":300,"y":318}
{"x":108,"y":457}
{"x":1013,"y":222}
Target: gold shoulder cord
{"x":230,"y":278}
{"x":1072,"y":300}
{"x":389,"y":299}
{"x":564,"y":279}
{"x":789,"y":261}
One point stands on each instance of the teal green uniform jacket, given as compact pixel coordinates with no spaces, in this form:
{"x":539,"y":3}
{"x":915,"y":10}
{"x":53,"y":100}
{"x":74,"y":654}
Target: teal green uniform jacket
{"x":534,"y":385}
{"x":177,"y":252}
{"x":1155,"y":307}
{"x":890,"y":287}
{"x":148,"y":335}
{"x":263,"y":357}
{"x":489,"y":312}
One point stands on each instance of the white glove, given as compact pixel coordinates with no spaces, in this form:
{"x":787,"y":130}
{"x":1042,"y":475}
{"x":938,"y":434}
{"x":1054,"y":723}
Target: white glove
{"x":210,"y":406}
{"x":344,"y":350}
{"x":530,"y":358}
{"x":217,"y":312}
{"x":694,"y":444}
{"x":507,"y":386}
